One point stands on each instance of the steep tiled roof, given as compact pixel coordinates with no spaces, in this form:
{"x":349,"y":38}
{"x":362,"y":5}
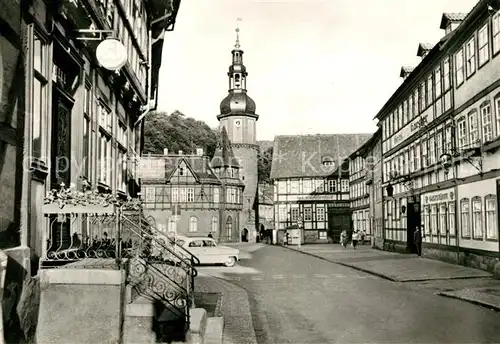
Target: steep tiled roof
{"x":197,"y":164}
{"x":302,"y":155}
{"x":224,"y":156}
{"x":451,"y":17}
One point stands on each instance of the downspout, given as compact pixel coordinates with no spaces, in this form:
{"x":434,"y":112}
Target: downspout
{"x":147,"y":107}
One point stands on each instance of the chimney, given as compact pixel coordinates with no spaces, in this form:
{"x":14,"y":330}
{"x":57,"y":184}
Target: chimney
{"x":165,"y":151}
{"x":405,"y":71}
{"x":450,"y":21}
{"x":199,"y":151}
{"x":180,"y":152}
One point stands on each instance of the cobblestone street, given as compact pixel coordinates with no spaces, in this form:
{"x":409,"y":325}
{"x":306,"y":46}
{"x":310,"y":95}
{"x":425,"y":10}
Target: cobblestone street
{"x":297,"y":298}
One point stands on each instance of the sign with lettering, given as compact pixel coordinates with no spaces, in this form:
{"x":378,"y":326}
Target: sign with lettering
{"x":338,"y":205}
{"x":409,"y":130}
{"x":318,"y":197}
{"x":440,"y":196}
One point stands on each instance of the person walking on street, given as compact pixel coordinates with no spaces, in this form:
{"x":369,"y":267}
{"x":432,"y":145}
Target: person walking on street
{"x":417,"y":239}
{"x":343,"y":238}
{"x":355,"y":238}
{"x":362,"y":236}
{"x":285,"y":238}
{"x":210,"y":235}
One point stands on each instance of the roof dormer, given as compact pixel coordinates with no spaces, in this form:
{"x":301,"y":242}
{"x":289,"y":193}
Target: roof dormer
{"x":423,"y":49}
{"x":405,"y":71}
{"x":450,"y":21}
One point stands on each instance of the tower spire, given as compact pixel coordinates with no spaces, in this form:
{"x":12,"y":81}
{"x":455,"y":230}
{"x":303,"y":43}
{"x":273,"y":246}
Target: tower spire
{"x":237,"y":44}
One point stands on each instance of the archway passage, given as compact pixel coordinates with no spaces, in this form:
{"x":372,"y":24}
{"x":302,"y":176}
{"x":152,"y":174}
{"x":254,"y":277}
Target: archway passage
{"x":244,"y":236}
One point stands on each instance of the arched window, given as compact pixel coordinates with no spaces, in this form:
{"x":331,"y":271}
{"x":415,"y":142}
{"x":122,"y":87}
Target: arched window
{"x":172,"y":225}
{"x":193,"y":224}
{"x":215,"y":224}
{"x":229,"y":227}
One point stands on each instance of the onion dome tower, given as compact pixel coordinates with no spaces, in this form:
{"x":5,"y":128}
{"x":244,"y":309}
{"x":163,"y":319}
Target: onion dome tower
{"x":237,"y":116}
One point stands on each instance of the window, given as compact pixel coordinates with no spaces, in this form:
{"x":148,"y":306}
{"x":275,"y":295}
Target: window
{"x":491,"y":217}
{"x":320,"y":185}
{"x":465,"y":217}
{"x":448,"y":139}
{"x":307,"y":214}
{"x":182,"y":195}
{"x":462,"y":133}
{"x":413,"y":104}
{"x":39,"y":96}
{"x":122,"y":171}
{"x":306,"y":186}
{"x":424,"y":153}
{"x":87,"y":115}
{"x":497,"y":115}
{"x":473,"y":130}
{"x":190,"y":195}
{"x":451,"y":218}
{"x":150,"y":195}
{"x":320,"y":214}
{"x":484,"y":53}
{"x":496,"y":32}
{"x":175,"y":195}
{"x":428,"y":92}
{"x":459,"y":67}
{"x":442,"y":219}
{"x":282,"y":212}
{"x":105,"y":117}
{"x":229,"y":227}
{"x":434,"y":229}
{"x":471,"y":57}
{"x":159,"y":195}
{"x":332,"y":185}
{"x":282,"y":187}
{"x":294,"y":186}
{"x":172,"y":224}
{"x":486,"y":123}
{"x":427,"y":226}
{"x":437,"y":78}
{"x":344,"y":183}
{"x":193,"y":224}
{"x":322,"y":235}
{"x":294,"y":214}
{"x":446,"y":75}
{"x":105,"y":159}
{"x":417,"y":157}
{"x":477,"y":218}
{"x":432,"y":151}
{"x":411,"y":159}
{"x":215,"y":224}
{"x":421,"y":97}
{"x":439,"y":144}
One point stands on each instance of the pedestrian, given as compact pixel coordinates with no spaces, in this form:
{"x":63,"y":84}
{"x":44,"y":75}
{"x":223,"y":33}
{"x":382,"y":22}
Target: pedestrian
{"x":355,"y":238}
{"x":362,"y":235}
{"x":417,"y":238}
{"x":343,"y":238}
{"x":285,"y":238}
{"x":210,"y":235}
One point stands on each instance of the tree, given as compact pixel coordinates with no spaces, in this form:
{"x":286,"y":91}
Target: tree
{"x":265,"y":159}
{"x":177,"y":132}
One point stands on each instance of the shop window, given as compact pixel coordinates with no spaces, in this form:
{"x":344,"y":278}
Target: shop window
{"x":465,"y":217}
{"x":490,"y":209}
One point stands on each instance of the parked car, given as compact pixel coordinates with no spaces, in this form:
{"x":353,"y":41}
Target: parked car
{"x":208,"y":252}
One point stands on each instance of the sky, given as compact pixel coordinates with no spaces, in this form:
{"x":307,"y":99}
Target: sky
{"x":314,"y":67}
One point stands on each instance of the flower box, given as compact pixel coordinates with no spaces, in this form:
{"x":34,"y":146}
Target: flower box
{"x":54,"y":208}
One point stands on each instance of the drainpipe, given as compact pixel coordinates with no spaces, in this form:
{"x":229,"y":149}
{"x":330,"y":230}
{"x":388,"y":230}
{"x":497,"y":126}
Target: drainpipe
{"x":147,"y":107}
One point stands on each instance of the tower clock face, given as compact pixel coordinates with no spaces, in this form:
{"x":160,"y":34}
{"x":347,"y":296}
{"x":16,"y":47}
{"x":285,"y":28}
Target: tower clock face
{"x":237,"y":123}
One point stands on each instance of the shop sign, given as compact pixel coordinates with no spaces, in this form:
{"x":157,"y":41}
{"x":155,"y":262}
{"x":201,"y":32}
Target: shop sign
{"x":338,"y":205}
{"x":409,"y":130}
{"x":318,"y":197}
{"x":438,"y":197}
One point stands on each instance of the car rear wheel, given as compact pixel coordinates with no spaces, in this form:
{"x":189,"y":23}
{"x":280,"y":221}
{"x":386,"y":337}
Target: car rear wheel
{"x":230,"y":261}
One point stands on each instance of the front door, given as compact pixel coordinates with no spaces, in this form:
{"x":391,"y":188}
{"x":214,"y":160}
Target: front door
{"x":337,"y":222}
{"x":413,"y":220}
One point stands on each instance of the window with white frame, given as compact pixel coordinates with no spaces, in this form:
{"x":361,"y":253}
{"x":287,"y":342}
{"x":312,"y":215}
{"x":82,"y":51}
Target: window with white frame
{"x":483,"y":39}
{"x":427,"y":220}
{"x":193,"y":224}
{"x":437,"y":79}
{"x":306,"y":186}
{"x":465,"y":217}
{"x":421,"y":97}
{"x":473,"y":128}
{"x":451,"y":218}
{"x":428,"y":91}
{"x":87,"y":129}
{"x":322,"y":235}
{"x":344,"y":185}
{"x":215,"y":224}
{"x":190,"y":195}
{"x":282,"y":212}
{"x":417,"y":156}
{"x":439,"y":144}
{"x":294,"y":186}
{"x":446,"y":75}
{"x":432,"y":150}
{"x":477,"y":218}
{"x":122,"y":171}
{"x":294,"y":214}
{"x":486,"y":122}
{"x":150,"y":195}
{"x":442,"y":219}
{"x":497,"y":115}
{"x":411,"y":159}
{"x":282,"y":187}
{"x":490,"y":208}
{"x":174,"y":196}
{"x":320,"y":214}
{"x":424,"y":153}
{"x":216,"y":194}
{"x":182,"y":195}
{"x":307,"y":214}
{"x":462,"y":132}
{"x":320,"y":185}
{"x":471,"y":56}
{"x":414,"y":104}
{"x":172,"y":224}
{"x":434,"y":229}
{"x":39,"y":100}
{"x":459,"y":67}
{"x":332,"y":185}
{"x":448,"y":143}
{"x":495,"y":27}
{"x":105,"y":158}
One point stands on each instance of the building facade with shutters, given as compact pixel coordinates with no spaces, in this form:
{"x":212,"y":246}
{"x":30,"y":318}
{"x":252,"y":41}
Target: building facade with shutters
{"x":441,"y":134}
{"x":64,"y":118}
{"x":310,"y":174}
{"x":362,"y":191}
{"x":192,"y":196}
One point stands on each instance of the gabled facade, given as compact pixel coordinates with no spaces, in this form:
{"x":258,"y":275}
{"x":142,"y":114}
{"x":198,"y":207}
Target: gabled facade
{"x":441,"y":132}
{"x":66,"y":119}
{"x":311,"y":182}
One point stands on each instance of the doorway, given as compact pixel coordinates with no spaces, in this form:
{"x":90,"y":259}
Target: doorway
{"x":337,"y":222}
{"x":413,"y":220}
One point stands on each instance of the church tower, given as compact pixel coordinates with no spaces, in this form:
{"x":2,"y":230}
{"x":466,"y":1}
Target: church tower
{"x":238,"y":117}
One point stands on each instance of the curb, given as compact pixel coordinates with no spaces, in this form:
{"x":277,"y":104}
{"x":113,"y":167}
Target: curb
{"x":346,"y":265}
{"x":471,"y":301}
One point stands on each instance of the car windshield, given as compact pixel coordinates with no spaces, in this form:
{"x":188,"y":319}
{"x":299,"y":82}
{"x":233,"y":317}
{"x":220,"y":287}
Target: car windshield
{"x":210,"y":243}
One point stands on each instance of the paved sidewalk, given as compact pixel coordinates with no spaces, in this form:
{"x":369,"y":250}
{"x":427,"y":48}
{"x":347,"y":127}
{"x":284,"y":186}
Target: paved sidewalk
{"x":235,"y":308}
{"x":390,"y":265}
{"x":482,"y":296}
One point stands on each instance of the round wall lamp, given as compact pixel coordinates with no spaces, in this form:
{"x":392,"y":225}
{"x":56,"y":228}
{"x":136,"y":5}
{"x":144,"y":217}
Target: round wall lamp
{"x":111,"y":54}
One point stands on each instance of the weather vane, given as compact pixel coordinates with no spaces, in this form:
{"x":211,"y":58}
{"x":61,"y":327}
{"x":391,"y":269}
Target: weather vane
{"x":237,"y":44}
